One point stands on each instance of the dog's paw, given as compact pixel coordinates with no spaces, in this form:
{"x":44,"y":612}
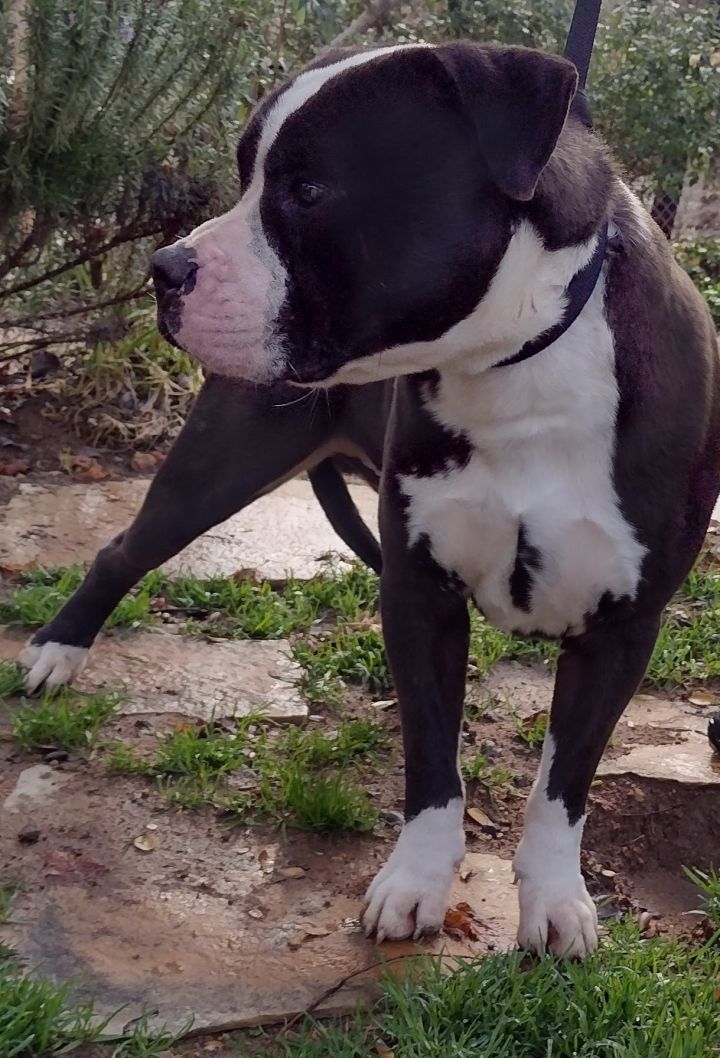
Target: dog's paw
{"x":409,"y":897}
{"x":51,"y":664}
{"x":562,"y":920}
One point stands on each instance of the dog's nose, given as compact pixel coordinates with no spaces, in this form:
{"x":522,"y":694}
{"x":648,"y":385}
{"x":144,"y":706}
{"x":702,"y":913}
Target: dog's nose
{"x":173,"y":268}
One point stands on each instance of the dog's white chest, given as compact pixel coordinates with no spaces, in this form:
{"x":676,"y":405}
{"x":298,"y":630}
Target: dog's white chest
{"x":531,"y":523}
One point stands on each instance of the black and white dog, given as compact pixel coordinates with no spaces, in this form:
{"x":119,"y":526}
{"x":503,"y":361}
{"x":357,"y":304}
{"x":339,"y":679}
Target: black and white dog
{"x":443,"y":216}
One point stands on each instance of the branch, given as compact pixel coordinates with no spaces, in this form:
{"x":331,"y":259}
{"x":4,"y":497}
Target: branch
{"x":377,"y":13}
{"x":62,"y":314}
{"x":88,"y":255}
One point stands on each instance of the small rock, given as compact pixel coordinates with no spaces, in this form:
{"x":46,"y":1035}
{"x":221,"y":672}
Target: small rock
{"x":256,"y":913}
{"x":56,"y":756}
{"x":489,"y":748}
{"x":29,"y":835}
{"x":42,"y":364}
{"x":606,"y":873}
{"x":395,"y":819}
{"x":292,"y":872}
{"x":144,"y":843}
{"x":386,"y":703}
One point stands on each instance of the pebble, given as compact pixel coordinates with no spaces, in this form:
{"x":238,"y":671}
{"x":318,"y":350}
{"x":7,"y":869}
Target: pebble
{"x":29,"y":835}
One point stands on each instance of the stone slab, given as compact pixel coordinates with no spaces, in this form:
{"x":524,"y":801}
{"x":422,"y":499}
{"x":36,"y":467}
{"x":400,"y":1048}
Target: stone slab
{"x":164,"y":673}
{"x":205,"y":927}
{"x":691,"y":762}
{"x":283,"y":533}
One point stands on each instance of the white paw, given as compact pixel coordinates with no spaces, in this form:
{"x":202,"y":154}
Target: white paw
{"x":409,"y":897}
{"x":557,"y":918}
{"x":51,"y":664}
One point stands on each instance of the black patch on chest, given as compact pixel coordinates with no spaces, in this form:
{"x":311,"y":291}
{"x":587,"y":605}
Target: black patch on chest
{"x":528,"y":561}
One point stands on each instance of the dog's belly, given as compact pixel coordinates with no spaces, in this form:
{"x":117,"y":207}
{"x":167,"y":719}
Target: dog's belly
{"x":535,"y":560}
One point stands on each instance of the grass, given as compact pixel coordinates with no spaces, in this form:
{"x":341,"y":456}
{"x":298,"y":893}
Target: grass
{"x":64,"y":719}
{"x":479,"y":768}
{"x":349,"y":654}
{"x":12,"y":679}
{"x":635,"y":999}
{"x":532,"y":729}
{"x":299,"y":777}
{"x":687,"y":652}
{"x":246,"y":609}
{"x":708,"y":882}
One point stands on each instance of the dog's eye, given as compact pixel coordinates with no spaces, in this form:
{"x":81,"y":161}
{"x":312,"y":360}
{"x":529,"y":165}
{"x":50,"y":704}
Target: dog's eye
{"x":308,"y":193}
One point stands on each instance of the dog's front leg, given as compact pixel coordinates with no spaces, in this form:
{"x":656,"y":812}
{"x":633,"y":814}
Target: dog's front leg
{"x":598,"y":672}
{"x":426,"y":629}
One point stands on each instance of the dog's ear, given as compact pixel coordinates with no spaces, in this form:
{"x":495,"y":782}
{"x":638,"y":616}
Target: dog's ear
{"x":518,"y":100}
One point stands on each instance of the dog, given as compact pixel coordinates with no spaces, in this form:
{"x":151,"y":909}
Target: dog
{"x":443,"y":216}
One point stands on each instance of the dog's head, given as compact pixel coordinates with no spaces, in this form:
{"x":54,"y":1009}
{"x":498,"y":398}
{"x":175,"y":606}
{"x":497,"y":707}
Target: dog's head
{"x":379,"y":194}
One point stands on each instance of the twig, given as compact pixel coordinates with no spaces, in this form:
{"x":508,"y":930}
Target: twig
{"x":88,"y":255}
{"x":61,"y":314}
{"x":378,"y":12}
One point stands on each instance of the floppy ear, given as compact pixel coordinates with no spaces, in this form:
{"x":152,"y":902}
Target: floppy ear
{"x":518,"y":100}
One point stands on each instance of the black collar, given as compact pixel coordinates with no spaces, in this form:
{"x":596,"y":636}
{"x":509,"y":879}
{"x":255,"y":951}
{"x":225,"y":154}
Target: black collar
{"x":579,"y":290}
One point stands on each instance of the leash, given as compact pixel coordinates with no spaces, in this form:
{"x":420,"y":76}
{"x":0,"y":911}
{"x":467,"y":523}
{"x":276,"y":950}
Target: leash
{"x":578,"y":49}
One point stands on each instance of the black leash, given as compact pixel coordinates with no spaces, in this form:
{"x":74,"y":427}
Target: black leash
{"x":579,"y":49}
{"x":581,"y":37}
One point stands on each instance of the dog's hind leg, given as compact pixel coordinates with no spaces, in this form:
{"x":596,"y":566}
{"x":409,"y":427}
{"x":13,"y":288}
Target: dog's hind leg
{"x":238,"y":443}
{"x":598,"y":672}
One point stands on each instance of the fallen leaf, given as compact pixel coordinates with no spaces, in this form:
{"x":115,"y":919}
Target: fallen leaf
{"x":145,"y":843}
{"x":246,"y":573}
{"x":483,"y":821}
{"x":315,"y":931}
{"x":460,"y":922}
{"x":13,"y":569}
{"x":87,"y":470}
{"x":266,"y":863}
{"x":143,"y":462}
{"x":13,"y":468}
{"x":292,"y":872}
{"x":702,"y":698}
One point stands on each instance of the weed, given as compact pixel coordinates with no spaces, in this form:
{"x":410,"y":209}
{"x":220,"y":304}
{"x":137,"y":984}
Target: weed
{"x":12,"y":679}
{"x":480,"y":769}
{"x":8,"y":896}
{"x":255,"y":772}
{"x":351,"y":654}
{"x":65,"y":719}
{"x":38,"y":1019}
{"x":488,"y":645}
{"x":320,"y":802}
{"x":532,"y":729}
{"x":709,"y":885}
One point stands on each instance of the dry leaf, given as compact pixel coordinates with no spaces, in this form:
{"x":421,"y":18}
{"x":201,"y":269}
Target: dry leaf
{"x":460,"y":922}
{"x":145,"y":843}
{"x":292,"y":872}
{"x":88,"y":470}
{"x":13,"y":468}
{"x":13,"y":569}
{"x":483,"y":821}
{"x":702,"y":698}
{"x":246,"y":573}
{"x":143,"y":462}
{"x":315,"y":931}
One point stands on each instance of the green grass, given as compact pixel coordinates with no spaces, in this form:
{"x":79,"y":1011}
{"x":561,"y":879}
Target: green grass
{"x":299,"y":777}
{"x":12,"y":679}
{"x":532,"y":729}
{"x":708,"y":882}
{"x":488,"y":645}
{"x":350,"y":654}
{"x":688,"y":647}
{"x":64,"y":719}
{"x":479,"y":768}
{"x":634,"y":999}
{"x":246,"y":609}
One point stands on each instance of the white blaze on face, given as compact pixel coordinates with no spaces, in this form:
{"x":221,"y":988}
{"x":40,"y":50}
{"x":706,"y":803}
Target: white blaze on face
{"x":229,"y":320}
